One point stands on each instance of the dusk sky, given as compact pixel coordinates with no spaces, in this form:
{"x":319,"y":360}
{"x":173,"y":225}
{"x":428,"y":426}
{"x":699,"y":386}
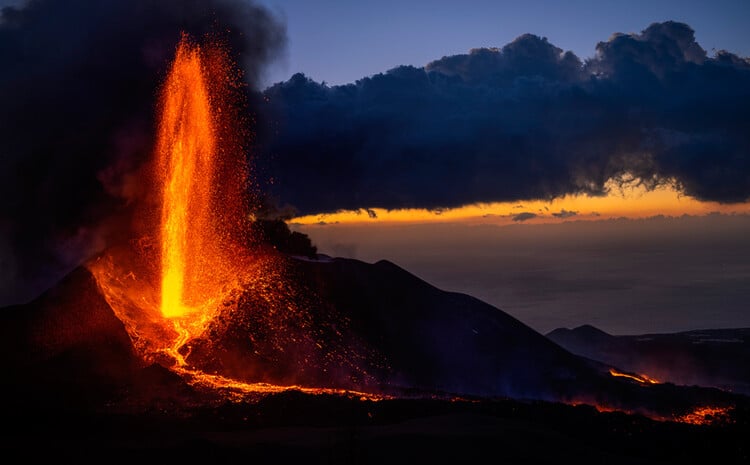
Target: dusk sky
{"x":399,"y":130}
{"x":666,"y":268}
{"x":340,"y":42}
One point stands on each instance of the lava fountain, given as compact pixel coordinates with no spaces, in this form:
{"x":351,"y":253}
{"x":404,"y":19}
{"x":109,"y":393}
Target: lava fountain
{"x":192,"y":251}
{"x":194,"y":277}
{"x":185,"y":150}
{"x":191,"y":254}
{"x":197,"y":262}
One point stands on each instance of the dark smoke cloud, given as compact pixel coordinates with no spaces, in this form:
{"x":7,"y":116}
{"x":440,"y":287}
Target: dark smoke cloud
{"x":565,"y":213}
{"x":523,"y":216}
{"x":78,"y":81}
{"x":526,"y":121}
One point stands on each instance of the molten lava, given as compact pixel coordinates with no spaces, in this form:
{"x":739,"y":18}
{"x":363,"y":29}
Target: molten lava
{"x":190,"y":258}
{"x":193,"y":262}
{"x":643,"y":379}
{"x":185,"y":150}
{"x":707,"y":415}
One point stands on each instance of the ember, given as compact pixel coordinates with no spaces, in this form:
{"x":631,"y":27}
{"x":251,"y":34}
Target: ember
{"x":199,"y":296}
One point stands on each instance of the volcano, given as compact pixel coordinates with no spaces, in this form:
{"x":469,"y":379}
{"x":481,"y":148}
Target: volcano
{"x":364,"y":328}
{"x":377,"y":346}
{"x":195,"y":326}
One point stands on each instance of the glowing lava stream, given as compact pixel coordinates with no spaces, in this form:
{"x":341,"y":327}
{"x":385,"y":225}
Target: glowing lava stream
{"x":641,"y":378}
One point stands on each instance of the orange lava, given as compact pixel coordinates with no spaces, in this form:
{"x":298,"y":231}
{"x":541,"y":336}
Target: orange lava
{"x":643,"y":379}
{"x":180,"y":281}
{"x":196,"y":264}
{"x":238,"y":391}
{"x":706,"y":416}
{"x":185,"y":150}
{"x":702,"y":415}
{"x":192,"y":257}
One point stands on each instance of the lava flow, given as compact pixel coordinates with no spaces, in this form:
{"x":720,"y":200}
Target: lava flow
{"x":640,"y":378}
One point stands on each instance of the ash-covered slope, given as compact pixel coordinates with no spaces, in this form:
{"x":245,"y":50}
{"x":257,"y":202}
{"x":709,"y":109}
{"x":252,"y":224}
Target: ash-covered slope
{"x":711,"y":357}
{"x":67,"y":342}
{"x":348,"y":324}
{"x":432,"y":339}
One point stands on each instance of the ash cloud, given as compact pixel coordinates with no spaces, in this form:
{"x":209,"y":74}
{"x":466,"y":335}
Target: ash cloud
{"x":78,"y":86}
{"x":525,"y":121}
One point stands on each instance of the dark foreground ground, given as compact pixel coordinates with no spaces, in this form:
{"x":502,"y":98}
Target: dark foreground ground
{"x":298,"y":428}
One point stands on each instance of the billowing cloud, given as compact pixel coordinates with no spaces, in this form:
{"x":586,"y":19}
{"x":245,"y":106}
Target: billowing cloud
{"x":525,"y":121}
{"x":78,"y":80}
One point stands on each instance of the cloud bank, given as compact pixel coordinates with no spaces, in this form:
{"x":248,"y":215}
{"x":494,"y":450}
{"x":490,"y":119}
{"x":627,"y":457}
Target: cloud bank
{"x":525,"y":121}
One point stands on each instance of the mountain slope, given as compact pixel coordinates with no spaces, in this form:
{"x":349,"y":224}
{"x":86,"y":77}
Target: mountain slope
{"x":440,"y":340}
{"x":67,"y":342}
{"x":338,"y":323}
{"x":712,"y":357}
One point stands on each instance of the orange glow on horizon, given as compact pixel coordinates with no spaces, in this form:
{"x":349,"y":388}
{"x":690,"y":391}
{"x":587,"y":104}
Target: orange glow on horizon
{"x":628,"y":202}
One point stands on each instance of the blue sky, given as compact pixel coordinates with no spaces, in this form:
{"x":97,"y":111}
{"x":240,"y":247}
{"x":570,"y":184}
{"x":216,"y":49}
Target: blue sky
{"x":341,"y":41}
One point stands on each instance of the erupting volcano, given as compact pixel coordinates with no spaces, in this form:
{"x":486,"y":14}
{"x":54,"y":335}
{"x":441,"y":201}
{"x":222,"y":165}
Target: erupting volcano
{"x":198,"y":311}
{"x":199,"y":294}
{"x":190,"y":255}
{"x":195,"y":289}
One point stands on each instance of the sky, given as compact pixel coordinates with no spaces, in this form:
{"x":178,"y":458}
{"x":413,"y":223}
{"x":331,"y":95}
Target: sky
{"x":339,"y":42}
{"x":632,"y":261}
{"x":396,"y":129}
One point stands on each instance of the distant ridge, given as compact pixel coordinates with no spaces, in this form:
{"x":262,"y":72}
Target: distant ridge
{"x":708,"y":357}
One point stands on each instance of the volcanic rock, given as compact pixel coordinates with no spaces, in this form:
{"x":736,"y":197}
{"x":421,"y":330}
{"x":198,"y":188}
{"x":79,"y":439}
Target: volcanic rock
{"x":67,"y":345}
